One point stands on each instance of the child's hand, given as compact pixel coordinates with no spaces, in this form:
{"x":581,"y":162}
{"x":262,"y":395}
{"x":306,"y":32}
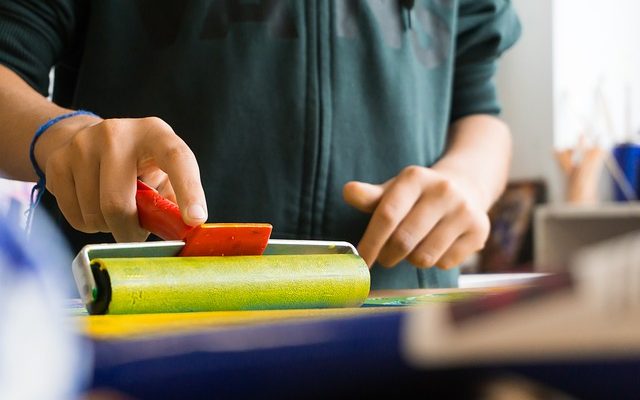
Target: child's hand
{"x":91,"y":166}
{"x":422,"y":215}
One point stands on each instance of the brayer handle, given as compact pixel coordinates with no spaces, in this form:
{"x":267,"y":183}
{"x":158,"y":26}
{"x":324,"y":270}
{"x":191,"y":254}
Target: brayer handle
{"x":158,"y":215}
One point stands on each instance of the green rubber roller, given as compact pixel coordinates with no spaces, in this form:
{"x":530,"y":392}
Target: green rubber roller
{"x":115,"y":280}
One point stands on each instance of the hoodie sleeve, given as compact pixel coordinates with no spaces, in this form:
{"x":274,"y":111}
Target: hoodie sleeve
{"x":34,"y":35}
{"x":486,"y":28}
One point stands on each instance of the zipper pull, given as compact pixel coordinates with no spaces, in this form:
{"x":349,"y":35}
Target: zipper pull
{"x":407,"y":6}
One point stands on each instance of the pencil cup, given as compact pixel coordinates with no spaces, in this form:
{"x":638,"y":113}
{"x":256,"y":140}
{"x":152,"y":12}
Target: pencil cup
{"x":627,"y":156}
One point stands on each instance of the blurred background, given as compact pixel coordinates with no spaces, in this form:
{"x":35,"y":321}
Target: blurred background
{"x":576,"y":58}
{"x":570,"y":90}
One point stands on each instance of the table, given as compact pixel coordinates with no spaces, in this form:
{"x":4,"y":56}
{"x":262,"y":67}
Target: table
{"x":339,"y":353}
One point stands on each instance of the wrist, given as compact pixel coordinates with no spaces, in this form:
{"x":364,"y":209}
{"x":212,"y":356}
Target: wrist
{"x":58,"y":134}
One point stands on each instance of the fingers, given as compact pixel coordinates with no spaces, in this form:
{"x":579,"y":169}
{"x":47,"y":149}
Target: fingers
{"x":118,"y":176}
{"x":459,"y":251}
{"x":363,"y":196}
{"x":398,"y":199}
{"x":174,"y":157}
{"x":461,"y":232}
{"x":437,"y":242}
{"x":88,"y":194}
{"x":412,"y":230}
{"x":159,"y":180}
{"x":86,"y":175}
{"x":60,"y":183}
{"x":166,"y":190}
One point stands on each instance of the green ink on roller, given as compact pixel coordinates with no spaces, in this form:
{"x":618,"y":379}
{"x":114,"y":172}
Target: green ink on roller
{"x":403,"y":301}
{"x":185,"y":284}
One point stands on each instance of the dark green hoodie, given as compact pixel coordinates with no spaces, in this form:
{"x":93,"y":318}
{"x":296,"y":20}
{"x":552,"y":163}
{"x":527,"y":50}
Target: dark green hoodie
{"x":281,"y":101}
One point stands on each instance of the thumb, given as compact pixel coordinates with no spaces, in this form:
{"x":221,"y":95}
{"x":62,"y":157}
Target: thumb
{"x":159,"y":180}
{"x":363,"y":196}
{"x":166,"y":190}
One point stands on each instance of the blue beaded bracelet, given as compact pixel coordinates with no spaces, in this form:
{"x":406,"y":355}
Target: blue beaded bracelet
{"x":39,"y":187}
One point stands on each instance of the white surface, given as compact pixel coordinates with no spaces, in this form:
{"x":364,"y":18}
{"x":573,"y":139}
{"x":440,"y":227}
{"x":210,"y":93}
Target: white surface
{"x":495,"y":280}
{"x":600,"y":211}
{"x":524,"y":83}
{"x":561,"y":230}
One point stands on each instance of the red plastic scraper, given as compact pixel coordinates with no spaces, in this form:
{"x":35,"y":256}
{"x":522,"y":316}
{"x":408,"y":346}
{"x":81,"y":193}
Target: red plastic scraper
{"x":162,"y":217}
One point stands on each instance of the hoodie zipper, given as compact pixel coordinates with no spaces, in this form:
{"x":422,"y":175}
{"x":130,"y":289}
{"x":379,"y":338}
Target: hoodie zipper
{"x":324,"y":60}
{"x":317,"y":141}
{"x":310,"y":161}
{"x":317,"y":190}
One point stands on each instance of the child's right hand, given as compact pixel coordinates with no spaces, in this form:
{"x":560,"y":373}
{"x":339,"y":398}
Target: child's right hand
{"x":91,"y":166}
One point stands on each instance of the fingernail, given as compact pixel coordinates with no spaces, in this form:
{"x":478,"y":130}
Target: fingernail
{"x":196,"y":211}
